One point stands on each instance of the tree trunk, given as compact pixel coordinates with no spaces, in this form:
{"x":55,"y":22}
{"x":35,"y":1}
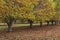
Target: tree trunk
{"x":30,"y":22}
{"x":9,"y":20}
{"x":52,"y":22}
{"x":30,"y":25}
{"x":9,"y":28}
{"x":47,"y":23}
{"x":40,"y":23}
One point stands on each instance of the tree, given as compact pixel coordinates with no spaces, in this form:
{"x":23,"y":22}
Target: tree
{"x":8,"y":12}
{"x":44,"y":11}
{"x":17,"y":9}
{"x":30,"y":10}
{"x":27,"y":11}
{"x":57,"y":9}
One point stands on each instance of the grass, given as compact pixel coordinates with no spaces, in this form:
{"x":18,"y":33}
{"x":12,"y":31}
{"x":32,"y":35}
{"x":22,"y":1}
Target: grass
{"x":4,"y":26}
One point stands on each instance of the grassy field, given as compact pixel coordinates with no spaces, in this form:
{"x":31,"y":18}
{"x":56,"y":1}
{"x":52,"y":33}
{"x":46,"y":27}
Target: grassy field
{"x":4,"y":26}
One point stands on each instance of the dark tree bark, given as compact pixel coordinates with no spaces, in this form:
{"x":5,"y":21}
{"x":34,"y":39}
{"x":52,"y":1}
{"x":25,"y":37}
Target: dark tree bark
{"x":31,"y":25}
{"x":9,"y":22}
{"x":52,"y":22}
{"x":30,"y":22}
{"x":9,"y":27}
{"x":40,"y":24}
{"x":47,"y":23}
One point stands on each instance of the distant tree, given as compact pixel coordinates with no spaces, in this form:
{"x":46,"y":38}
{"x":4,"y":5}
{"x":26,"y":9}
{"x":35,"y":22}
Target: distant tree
{"x":57,"y":9}
{"x":44,"y":11}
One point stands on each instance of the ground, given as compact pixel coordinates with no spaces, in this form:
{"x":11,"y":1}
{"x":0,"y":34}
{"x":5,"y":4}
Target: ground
{"x":36,"y":33}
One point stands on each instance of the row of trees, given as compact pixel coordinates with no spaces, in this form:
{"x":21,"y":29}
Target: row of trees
{"x":29,"y":10}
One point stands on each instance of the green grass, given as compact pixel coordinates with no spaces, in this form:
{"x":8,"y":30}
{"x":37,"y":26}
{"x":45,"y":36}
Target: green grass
{"x":4,"y":26}
{"x":15,"y":25}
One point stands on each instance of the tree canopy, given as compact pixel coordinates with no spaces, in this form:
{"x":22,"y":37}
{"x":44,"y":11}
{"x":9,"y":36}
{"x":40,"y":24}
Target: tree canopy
{"x":35,"y":10}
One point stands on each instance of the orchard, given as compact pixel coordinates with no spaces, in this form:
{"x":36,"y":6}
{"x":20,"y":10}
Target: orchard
{"x":32,"y":11}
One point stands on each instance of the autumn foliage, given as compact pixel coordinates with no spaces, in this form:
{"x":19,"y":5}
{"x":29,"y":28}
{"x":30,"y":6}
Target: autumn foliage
{"x":35,"y":10}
